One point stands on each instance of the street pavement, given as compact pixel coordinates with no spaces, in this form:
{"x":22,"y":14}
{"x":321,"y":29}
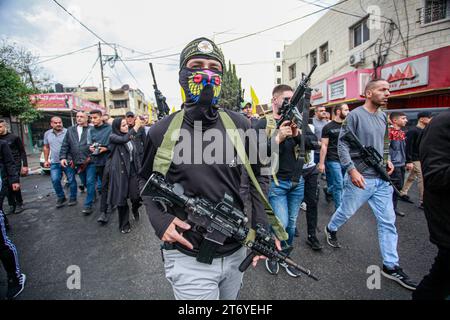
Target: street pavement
{"x":112,"y":265}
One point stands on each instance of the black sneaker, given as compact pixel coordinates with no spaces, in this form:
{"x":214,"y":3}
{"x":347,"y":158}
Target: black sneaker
{"x":399,"y":213}
{"x":406,"y":198}
{"x":72,"y":202}
{"x":82,"y":189}
{"x":126,"y":229}
{"x":19,"y":208}
{"x":293,"y":272}
{"x":61,"y":202}
{"x":314,"y":243}
{"x":328,"y":196}
{"x":15,"y":287}
{"x":399,"y":276}
{"x":136,"y":214}
{"x":87,"y":211}
{"x":420,"y":206}
{"x":103,"y":219}
{"x":331,"y":238}
{"x":272,"y":266}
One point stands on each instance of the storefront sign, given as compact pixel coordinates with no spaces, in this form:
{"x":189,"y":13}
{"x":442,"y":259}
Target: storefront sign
{"x":337,"y":90}
{"x":319,"y":94}
{"x":409,"y":74}
{"x":62,"y":102}
{"x":52,"y":102}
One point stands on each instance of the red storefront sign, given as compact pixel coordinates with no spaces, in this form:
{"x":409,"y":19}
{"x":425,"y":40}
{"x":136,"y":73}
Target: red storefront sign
{"x":427,"y":71}
{"x":62,"y":102}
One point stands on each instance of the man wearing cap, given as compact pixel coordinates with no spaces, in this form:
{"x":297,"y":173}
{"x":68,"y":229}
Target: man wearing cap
{"x":200,"y":76}
{"x":412,"y":157}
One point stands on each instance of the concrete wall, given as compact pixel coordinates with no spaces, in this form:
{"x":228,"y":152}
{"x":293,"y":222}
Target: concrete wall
{"x":333,"y":28}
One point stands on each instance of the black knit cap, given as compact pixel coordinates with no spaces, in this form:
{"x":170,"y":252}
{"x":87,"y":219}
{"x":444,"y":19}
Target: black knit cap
{"x":202,"y":47}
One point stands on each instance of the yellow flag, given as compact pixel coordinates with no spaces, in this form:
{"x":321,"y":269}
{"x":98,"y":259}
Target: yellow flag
{"x":150,"y":112}
{"x":183,"y":95}
{"x":173,"y":109}
{"x":255,"y":100}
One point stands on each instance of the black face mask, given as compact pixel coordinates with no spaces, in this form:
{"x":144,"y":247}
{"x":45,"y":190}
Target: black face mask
{"x":201,"y":97}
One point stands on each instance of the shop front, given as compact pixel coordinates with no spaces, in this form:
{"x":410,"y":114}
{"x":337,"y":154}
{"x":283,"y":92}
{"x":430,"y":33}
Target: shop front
{"x":63,"y":105}
{"x":421,"y":81}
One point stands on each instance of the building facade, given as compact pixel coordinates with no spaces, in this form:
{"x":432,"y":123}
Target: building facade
{"x":405,"y":42}
{"x":118,"y":101}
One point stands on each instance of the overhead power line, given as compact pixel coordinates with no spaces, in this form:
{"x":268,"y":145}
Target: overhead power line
{"x":65,"y":54}
{"x":247,"y":35}
{"x":89,"y":73}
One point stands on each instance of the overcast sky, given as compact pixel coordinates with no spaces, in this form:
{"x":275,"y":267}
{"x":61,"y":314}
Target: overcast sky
{"x":161,"y":27}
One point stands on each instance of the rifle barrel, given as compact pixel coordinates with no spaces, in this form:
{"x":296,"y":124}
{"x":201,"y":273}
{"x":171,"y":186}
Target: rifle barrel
{"x":155,"y":86}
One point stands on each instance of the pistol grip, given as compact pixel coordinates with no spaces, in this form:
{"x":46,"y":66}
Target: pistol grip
{"x":247,"y":261}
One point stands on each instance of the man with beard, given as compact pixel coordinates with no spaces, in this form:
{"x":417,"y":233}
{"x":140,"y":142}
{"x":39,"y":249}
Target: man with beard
{"x":199,"y":273}
{"x":363,"y":184}
{"x":53,"y":140}
{"x":329,"y":157}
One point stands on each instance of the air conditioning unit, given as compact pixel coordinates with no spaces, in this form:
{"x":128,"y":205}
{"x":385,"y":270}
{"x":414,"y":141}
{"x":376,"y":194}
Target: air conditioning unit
{"x":356,"y":58}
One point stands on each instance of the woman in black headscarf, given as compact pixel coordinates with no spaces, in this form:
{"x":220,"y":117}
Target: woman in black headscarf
{"x":125,"y":164}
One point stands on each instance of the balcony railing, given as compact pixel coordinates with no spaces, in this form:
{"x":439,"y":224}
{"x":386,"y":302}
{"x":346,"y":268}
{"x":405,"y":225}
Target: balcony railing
{"x":434,"y":11}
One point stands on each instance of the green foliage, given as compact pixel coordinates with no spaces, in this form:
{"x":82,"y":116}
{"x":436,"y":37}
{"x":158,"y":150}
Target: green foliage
{"x":230,"y":88}
{"x":26,"y":65}
{"x":14,"y":98}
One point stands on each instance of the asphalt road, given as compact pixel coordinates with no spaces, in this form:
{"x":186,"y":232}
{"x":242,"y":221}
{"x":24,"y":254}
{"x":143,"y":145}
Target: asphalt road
{"x":117,"y":266}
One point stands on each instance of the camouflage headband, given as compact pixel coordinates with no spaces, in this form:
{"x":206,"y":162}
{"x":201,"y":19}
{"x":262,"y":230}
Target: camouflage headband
{"x":201,"y":47}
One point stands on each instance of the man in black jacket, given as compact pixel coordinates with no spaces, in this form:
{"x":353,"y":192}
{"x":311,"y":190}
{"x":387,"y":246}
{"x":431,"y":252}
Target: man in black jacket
{"x":201,"y":65}
{"x":8,"y":252}
{"x":435,"y":159}
{"x":286,"y":190}
{"x":412,"y":157}
{"x":15,"y":199}
{"x":75,"y":152}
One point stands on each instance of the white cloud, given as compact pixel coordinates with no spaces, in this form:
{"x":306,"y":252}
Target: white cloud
{"x":148,"y":26}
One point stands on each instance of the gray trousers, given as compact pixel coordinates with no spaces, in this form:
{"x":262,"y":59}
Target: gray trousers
{"x":192,"y":280}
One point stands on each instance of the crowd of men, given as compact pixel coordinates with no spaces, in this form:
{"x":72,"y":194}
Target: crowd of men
{"x":113,"y":159}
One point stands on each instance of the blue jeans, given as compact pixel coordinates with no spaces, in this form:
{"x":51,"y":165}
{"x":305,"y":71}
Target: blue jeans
{"x":379,"y":195}
{"x":285,"y":200}
{"x":89,"y":177}
{"x":56,"y":171}
{"x":335,"y":179}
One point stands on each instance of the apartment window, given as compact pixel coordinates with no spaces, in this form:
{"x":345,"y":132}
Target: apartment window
{"x":434,"y":10}
{"x":278,"y":54}
{"x":278,"y":80}
{"x":313,"y":58}
{"x":292,"y":71}
{"x":278,"y":68}
{"x":359,"y":33}
{"x":120,"y":104}
{"x":324,"y":53}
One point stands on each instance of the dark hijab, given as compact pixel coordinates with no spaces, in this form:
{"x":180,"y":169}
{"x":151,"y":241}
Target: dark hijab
{"x":116,"y":126}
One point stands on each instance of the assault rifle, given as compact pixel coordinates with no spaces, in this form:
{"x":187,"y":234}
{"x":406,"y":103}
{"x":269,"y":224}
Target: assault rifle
{"x":289,"y":109}
{"x":163,"y":108}
{"x":218,"y":221}
{"x":370,"y":156}
{"x":240,"y":97}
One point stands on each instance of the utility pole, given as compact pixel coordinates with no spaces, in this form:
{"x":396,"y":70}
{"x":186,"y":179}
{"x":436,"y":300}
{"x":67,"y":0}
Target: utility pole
{"x":103,"y":79}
